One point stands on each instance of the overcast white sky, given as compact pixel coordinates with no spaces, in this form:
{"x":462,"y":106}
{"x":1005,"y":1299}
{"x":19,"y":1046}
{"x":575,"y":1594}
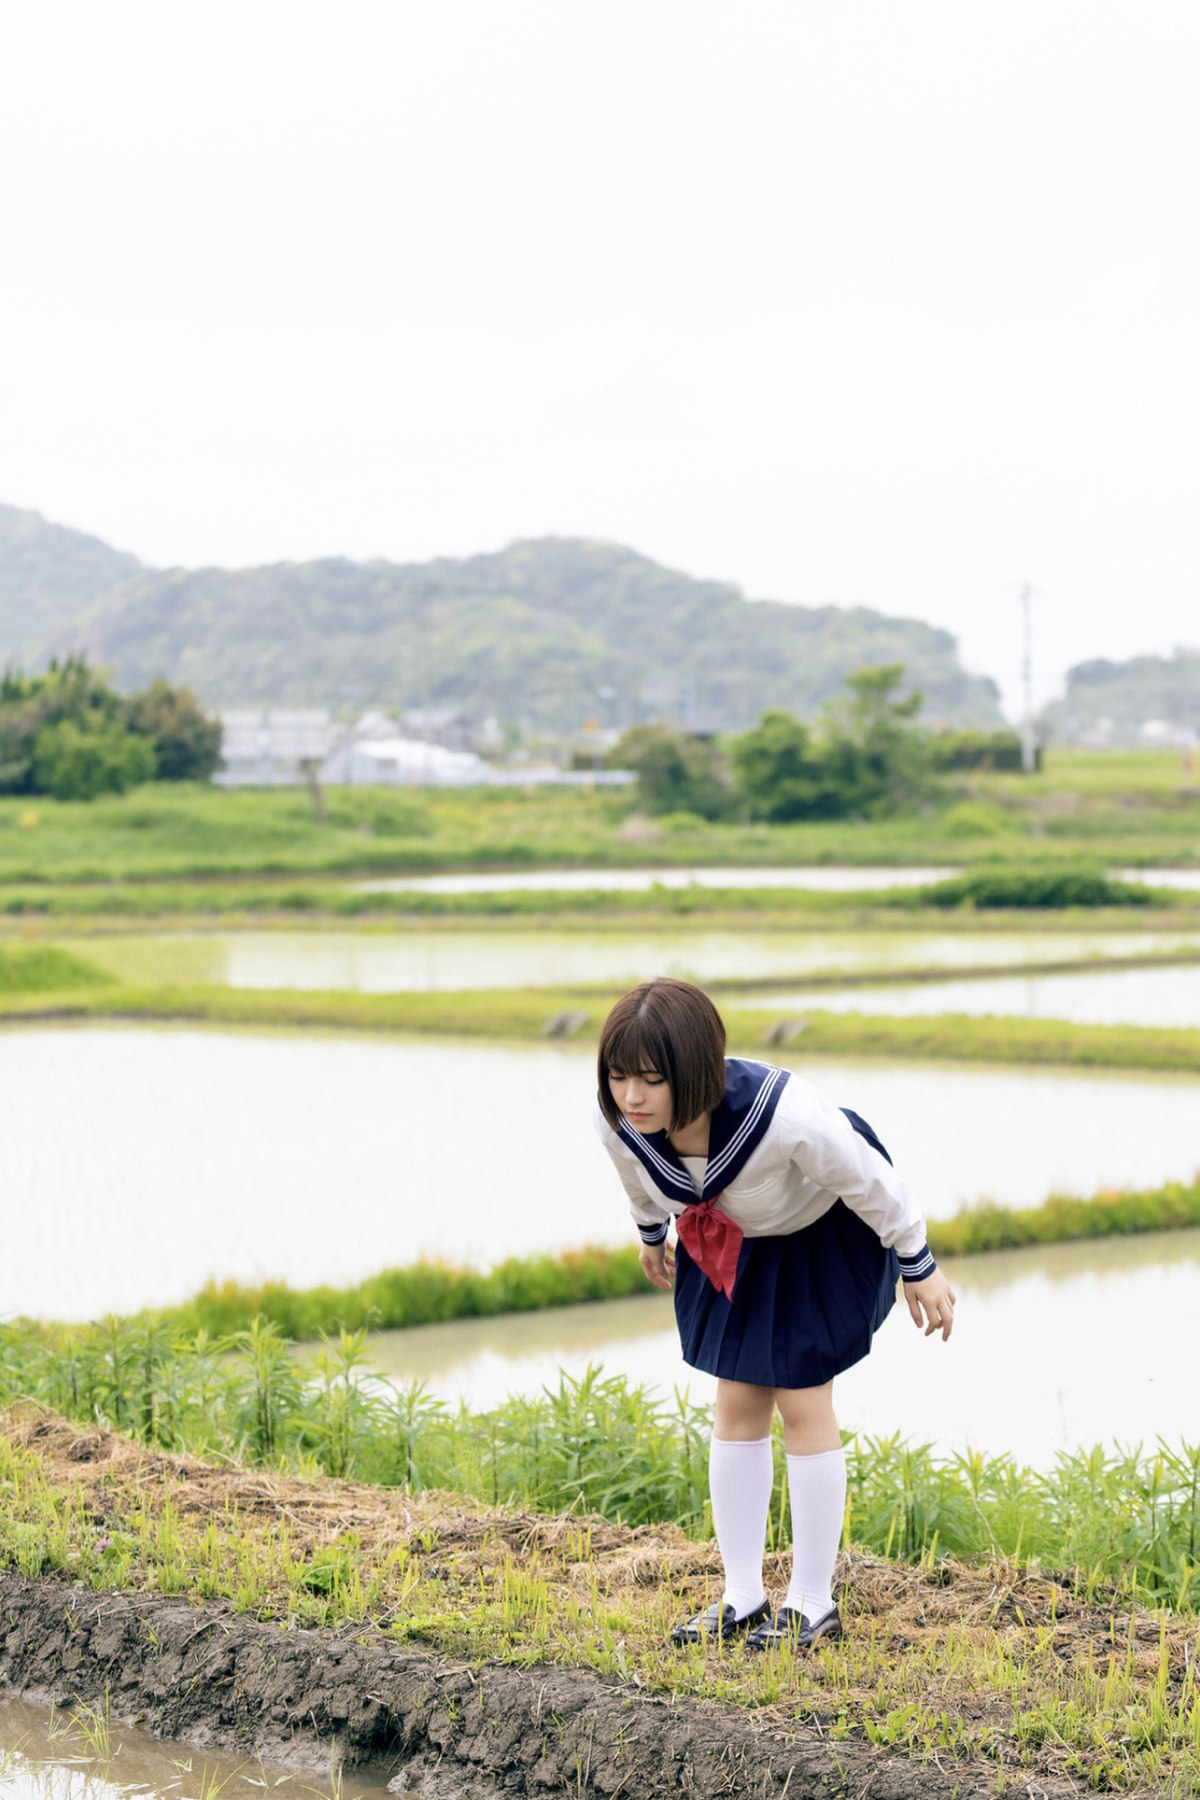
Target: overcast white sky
{"x":843,"y":300}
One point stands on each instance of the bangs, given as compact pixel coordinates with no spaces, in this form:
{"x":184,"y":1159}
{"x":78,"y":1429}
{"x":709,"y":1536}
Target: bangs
{"x":632,"y":1045}
{"x":673,"y":1028}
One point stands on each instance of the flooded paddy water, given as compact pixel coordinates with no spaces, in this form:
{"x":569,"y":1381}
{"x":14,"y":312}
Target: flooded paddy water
{"x":426,"y":959}
{"x":1053,"y":1347}
{"x":826,"y":878}
{"x":148,"y":1160}
{"x":1142,"y":996}
{"x":46,"y":1755}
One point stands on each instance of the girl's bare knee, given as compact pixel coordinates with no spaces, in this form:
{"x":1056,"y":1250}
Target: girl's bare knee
{"x":809,"y":1422}
{"x":743,"y":1411}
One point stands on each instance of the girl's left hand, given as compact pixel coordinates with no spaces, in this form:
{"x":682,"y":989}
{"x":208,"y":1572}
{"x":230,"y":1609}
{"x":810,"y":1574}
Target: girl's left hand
{"x":936,"y":1297}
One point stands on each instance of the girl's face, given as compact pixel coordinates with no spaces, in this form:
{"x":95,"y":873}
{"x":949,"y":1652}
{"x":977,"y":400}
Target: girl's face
{"x":643,"y":1097}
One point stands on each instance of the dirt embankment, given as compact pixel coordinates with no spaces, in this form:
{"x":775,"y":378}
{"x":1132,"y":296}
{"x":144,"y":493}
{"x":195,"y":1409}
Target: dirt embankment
{"x":445,"y":1730}
{"x":439,"y":1729}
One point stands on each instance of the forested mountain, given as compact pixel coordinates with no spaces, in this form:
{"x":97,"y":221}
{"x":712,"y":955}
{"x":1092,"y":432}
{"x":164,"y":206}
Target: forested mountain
{"x":543,"y":635}
{"x":1129,"y":702}
{"x":49,"y":576}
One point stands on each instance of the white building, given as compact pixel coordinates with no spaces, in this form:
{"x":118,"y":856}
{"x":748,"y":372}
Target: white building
{"x":401,"y":762}
{"x":269,"y":748}
{"x":272,"y":748}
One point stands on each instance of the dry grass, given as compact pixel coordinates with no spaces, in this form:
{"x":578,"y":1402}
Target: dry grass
{"x":1001,"y":1670}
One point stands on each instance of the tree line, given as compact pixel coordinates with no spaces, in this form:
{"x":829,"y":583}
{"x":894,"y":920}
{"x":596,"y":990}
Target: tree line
{"x":69,"y":734}
{"x":866,"y":756}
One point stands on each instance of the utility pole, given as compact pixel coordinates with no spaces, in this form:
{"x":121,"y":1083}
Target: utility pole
{"x":1028,"y":751}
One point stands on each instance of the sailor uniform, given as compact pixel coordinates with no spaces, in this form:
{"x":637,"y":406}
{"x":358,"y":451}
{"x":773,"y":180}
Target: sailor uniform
{"x":791,"y":1233}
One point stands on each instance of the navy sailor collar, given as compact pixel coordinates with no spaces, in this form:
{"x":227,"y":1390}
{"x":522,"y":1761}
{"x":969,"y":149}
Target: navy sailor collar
{"x":737,"y":1127}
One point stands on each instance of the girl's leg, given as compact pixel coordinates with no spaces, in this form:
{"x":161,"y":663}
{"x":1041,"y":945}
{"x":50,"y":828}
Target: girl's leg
{"x":817,"y":1484}
{"x":740,"y":1479}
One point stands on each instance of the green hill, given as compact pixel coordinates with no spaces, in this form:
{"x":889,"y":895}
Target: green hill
{"x":49,"y":578}
{"x":1147,"y":699}
{"x":544,"y":635}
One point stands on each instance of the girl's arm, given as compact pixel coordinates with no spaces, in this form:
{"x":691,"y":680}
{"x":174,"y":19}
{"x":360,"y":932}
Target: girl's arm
{"x":821,"y":1141}
{"x":935,"y":1297}
{"x":651,"y":1219}
{"x":658,"y":1265}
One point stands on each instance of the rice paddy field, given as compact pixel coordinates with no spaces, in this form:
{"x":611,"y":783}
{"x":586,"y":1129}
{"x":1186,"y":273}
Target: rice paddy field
{"x":250,"y":1372}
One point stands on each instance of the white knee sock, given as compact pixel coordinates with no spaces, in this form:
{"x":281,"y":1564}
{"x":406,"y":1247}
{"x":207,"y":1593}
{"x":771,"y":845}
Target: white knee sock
{"x":817,"y":1485}
{"x":740,"y":1478}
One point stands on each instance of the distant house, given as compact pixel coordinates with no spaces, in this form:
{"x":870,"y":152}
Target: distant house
{"x":270,"y":748}
{"x":1165,"y":734}
{"x":439,"y":725}
{"x":401,"y":762}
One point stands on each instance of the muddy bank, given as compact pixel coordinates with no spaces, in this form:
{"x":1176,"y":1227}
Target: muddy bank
{"x":440,"y":1727}
{"x":436,"y":1728}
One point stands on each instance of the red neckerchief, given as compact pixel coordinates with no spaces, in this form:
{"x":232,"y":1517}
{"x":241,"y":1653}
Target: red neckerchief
{"x":712,"y":1240}
{"x":738,"y":1124}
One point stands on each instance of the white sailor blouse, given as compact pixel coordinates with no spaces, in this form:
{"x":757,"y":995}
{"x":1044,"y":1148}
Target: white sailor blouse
{"x":779,"y":1156}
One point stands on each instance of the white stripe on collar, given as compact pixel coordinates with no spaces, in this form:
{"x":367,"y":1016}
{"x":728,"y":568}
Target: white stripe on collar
{"x":674,"y":1180}
{"x":718,"y":1166}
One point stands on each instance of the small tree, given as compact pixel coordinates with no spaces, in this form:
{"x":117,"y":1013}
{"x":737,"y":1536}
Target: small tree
{"x":77,"y":762}
{"x":68,"y":692}
{"x":676,"y":771}
{"x":865,"y":758}
{"x":877,"y":759}
{"x":187,"y":744}
{"x":781,"y":774}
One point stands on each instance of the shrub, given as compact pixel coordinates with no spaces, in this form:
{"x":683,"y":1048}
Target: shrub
{"x":187,"y":744}
{"x":980,"y":751}
{"x":867,"y":760}
{"x":75,"y":762}
{"x":781,"y":774}
{"x":1035,"y":887}
{"x":676,"y":771}
{"x":973,"y":819}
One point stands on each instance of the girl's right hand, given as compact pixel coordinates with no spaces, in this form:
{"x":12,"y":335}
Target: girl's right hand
{"x":658,"y":1262}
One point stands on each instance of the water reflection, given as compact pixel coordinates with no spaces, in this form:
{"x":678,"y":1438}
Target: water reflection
{"x":1053,"y":1347}
{"x":142,"y":1161}
{"x":1168,"y":878}
{"x":407,"y":959}
{"x":637,"y":881}
{"x":1144,"y":996}
{"x":827,"y":878}
{"x":44,"y":1755}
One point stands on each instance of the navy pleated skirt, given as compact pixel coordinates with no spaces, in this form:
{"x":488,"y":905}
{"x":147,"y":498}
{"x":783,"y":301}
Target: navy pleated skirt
{"x":805,"y":1305}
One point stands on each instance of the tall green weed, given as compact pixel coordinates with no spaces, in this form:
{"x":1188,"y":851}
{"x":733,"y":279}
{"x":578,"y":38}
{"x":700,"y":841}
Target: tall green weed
{"x":1065,"y":1219}
{"x":597,"y":1444}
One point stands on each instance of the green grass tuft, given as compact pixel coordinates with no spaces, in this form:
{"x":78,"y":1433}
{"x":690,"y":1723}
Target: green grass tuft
{"x":44,"y":969}
{"x":1066,"y":1219}
{"x":1125,"y":1519}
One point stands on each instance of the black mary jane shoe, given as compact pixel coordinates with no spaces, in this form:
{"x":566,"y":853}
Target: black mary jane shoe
{"x":717,"y":1624}
{"x":795,"y":1630}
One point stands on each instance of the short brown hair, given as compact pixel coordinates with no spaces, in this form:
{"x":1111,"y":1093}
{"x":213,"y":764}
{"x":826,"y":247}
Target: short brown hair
{"x":674,"y":1028}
